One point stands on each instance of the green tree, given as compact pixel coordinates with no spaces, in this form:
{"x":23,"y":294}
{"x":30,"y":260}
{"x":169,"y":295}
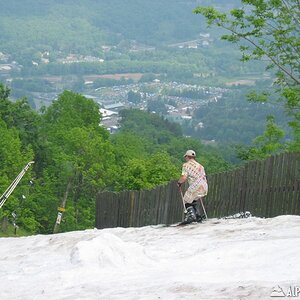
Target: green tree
{"x":13,"y":158}
{"x":269,"y":143}
{"x":268,"y":30}
{"x":18,"y":134}
{"x":19,"y":115}
{"x":77,"y":156}
{"x":157,"y":105}
{"x":146,"y":173}
{"x":134,"y":97}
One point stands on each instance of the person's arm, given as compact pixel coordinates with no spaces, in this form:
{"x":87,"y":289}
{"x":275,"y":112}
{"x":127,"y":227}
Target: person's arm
{"x":181,"y":180}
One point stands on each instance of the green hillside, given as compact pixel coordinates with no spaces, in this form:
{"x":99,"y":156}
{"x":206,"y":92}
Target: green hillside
{"x":87,"y":25}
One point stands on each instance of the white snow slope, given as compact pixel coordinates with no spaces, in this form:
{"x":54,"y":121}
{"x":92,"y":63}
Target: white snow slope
{"x":234,"y":259}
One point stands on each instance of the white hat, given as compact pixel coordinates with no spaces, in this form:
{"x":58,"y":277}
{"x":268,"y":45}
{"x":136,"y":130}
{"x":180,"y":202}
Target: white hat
{"x":190,"y":153}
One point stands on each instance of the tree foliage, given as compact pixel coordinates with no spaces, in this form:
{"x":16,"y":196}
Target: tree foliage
{"x":75,"y":158}
{"x":268,"y":30}
{"x":270,"y":142}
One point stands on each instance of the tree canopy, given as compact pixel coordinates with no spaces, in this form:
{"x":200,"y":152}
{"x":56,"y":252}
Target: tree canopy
{"x":267,"y":30}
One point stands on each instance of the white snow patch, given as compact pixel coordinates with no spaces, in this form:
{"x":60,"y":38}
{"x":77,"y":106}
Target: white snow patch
{"x":228,"y":259}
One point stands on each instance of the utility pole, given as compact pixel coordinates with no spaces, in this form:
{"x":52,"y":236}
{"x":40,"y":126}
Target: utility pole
{"x":62,"y":209}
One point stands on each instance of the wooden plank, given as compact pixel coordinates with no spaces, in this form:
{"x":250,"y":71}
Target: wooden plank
{"x":144,"y":219}
{"x":210,"y":195}
{"x":255,"y":185}
{"x":296,"y":185}
{"x":260,"y":187}
{"x":105,"y":204}
{"x":98,"y":211}
{"x":272,"y":175}
{"x":240,"y":183}
{"x":296,"y":177}
{"x":283,"y":175}
{"x":289,"y":188}
{"x":251,"y":186}
{"x":160,"y":199}
{"x":171,"y":207}
{"x":213,"y":200}
{"x":141,"y":208}
{"x":154,"y":206}
{"x":169,"y":198}
{"x":227,"y":199}
{"x":123,"y":201}
{"x":161,"y":205}
{"x":237,"y":182}
{"x":232,"y":193}
{"x":108,"y":221}
{"x":291,"y":182}
{"x":286,"y":183}
{"x":227,"y":185}
{"x":243,"y":187}
{"x":165,"y":207}
{"x":246,"y":187}
{"x":136,"y":208}
{"x":118,"y":202}
{"x":150,"y":206}
{"x":127,"y":209}
{"x":275,"y":200}
{"x":131,"y":208}
{"x":264,"y":188}
{"x":115,"y":210}
{"x":105,"y":209}
{"x":216,"y":199}
{"x":259,"y":173}
{"x":283,"y":194}
{"x":268,"y":184}
{"x":146,"y":208}
{"x":272,"y":186}
{"x":159,"y":196}
{"x":220,"y":198}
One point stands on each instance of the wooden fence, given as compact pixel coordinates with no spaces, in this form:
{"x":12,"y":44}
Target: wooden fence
{"x":266,"y":188}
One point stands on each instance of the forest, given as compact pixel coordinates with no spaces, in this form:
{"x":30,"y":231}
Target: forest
{"x":74,"y":155}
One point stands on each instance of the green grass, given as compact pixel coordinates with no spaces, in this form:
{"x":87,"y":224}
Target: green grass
{"x":10,"y":232}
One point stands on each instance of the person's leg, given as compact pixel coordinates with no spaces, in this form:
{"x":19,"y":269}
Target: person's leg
{"x":190,"y":215}
{"x":196,"y":207}
{"x":188,"y":198}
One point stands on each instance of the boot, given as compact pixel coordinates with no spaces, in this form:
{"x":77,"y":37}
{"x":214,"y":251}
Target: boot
{"x":199,"y":218}
{"x":190,"y":216}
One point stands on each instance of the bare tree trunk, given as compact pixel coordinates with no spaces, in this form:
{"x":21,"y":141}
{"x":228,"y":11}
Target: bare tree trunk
{"x":4,"y":224}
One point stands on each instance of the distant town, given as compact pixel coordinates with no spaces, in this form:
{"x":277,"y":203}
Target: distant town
{"x":112,"y":99}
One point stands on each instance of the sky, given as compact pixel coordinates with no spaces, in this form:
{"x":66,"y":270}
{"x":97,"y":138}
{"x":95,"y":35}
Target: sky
{"x":251,"y":258}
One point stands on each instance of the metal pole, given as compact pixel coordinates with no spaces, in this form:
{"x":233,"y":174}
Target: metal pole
{"x":184,"y":209}
{"x":203,"y":208}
